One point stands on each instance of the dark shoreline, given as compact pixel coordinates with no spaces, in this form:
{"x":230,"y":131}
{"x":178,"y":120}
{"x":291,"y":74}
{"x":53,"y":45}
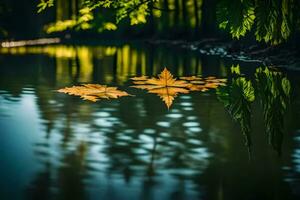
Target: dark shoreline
{"x":279,"y":56}
{"x":284,"y":56}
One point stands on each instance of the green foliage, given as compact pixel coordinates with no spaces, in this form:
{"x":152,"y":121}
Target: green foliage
{"x":237,"y":98}
{"x":135,"y":10}
{"x":45,"y":4}
{"x":81,"y":23}
{"x":272,"y":21}
{"x":61,"y":26}
{"x":236,"y":15}
{"x":274,"y":91}
{"x":274,"y":24}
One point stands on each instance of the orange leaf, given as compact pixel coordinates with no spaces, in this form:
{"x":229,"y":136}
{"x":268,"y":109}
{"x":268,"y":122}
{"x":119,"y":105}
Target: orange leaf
{"x":94,"y":92}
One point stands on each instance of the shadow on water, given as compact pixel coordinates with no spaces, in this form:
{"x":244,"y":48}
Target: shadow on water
{"x":135,"y":148}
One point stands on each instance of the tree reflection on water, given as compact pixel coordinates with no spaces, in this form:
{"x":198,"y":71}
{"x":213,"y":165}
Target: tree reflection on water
{"x":135,"y":144}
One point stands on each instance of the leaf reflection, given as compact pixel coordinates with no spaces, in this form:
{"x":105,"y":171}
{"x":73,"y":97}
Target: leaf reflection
{"x":237,"y":98}
{"x":274,"y":91}
{"x":93,"y":92}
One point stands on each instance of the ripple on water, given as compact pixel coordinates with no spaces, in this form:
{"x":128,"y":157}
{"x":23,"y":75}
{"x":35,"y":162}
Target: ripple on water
{"x":195,"y":129}
{"x":185,"y":97}
{"x":28,"y":90}
{"x":194,"y":142}
{"x":52,"y":102}
{"x":190,"y":118}
{"x":191,"y":124}
{"x":125,"y":138}
{"x":3,"y":92}
{"x":163,"y":124}
{"x":201,"y":152}
{"x":103,"y":123}
{"x":146,"y":141}
{"x":109,"y":109}
{"x":297,"y":138}
{"x":174,"y":115}
{"x":297,"y":153}
{"x":175,"y":144}
{"x":140,"y":151}
{"x":183,"y":172}
{"x":101,"y":114}
{"x":188,"y":108}
{"x":164,"y":134}
{"x":149,"y":131}
{"x":186,"y":104}
{"x":129,"y":131}
{"x":106,"y":130}
{"x":113,"y":119}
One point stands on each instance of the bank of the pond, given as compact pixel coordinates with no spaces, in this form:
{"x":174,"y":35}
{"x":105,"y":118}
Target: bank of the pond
{"x":285,"y":55}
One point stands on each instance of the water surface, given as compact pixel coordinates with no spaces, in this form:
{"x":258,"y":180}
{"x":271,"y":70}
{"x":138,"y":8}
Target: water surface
{"x":56,"y":146}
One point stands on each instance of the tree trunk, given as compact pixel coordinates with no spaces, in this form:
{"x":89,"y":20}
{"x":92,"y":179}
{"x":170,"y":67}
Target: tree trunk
{"x":166,"y":14}
{"x":184,"y":14}
{"x":196,"y":13}
{"x":177,"y":12}
{"x":151,"y":25}
{"x":208,"y":21}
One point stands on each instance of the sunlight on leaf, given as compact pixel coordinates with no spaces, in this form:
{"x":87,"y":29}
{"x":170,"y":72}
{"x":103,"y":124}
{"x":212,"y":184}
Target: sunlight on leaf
{"x":206,"y":83}
{"x":167,"y":87}
{"x":191,"y":78}
{"x":94,"y":92}
{"x":167,"y":94}
{"x":45,"y":4}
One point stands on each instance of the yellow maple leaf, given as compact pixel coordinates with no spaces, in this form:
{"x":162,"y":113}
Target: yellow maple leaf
{"x":168,"y":94}
{"x":165,"y":86}
{"x":201,"y":88}
{"x":141,"y":78}
{"x":94,"y":92}
{"x":165,"y":79}
{"x":216,"y":80}
{"x":198,"y":82}
{"x":191,"y":78}
{"x":205,"y":84}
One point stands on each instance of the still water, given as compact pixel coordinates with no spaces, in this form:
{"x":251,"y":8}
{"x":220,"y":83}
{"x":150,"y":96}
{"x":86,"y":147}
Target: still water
{"x":55,"y":146}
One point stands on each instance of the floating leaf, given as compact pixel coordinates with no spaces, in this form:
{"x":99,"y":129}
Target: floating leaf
{"x":210,"y":78}
{"x":94,"y":92}
{"x":141,"y":78}
{"x":165,"y":86}
{"x":201,"y":88}
{"x":167,"y":94}
{"x":198,"y":82}
{"x":216,"y":80}
{"x":191,"y":78}
{"x":205,"y":84}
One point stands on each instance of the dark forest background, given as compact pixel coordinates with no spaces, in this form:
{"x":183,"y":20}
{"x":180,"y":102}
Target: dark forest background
{"x":268,"y":21}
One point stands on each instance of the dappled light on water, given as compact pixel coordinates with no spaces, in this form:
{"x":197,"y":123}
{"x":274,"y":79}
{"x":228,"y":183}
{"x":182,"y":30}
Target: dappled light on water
{"x":135,"y":143}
